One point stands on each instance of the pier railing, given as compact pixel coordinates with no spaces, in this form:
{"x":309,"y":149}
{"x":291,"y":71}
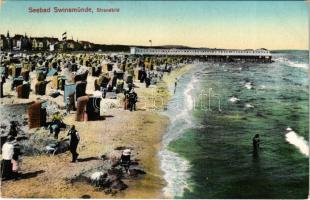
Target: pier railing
{"x":199,"y":52}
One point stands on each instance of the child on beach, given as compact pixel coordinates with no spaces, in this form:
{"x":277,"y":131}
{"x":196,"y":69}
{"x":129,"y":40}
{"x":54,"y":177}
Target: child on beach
{"x":74,"y":141}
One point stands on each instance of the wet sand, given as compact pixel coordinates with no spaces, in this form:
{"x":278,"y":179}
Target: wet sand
{"x":48,"y":176}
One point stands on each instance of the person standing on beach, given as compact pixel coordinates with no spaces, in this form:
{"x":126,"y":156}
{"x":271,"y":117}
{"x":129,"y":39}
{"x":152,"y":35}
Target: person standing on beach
{"x":15,"y":161}
{"x":7,"y":155}
{"x":125,"y":160}
{"x":74,"y":141}
{"x":13,"y":129}
{"x":133,"y":98}
{"x":2,"y":81}
{"x":68,"y":105}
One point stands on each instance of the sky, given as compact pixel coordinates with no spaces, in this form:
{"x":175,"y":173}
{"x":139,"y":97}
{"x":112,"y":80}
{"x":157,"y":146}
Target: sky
{"x":214,"y":24}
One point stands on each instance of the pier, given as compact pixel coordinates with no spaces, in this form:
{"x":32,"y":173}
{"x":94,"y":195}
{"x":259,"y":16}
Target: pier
{"x":219,"y":55}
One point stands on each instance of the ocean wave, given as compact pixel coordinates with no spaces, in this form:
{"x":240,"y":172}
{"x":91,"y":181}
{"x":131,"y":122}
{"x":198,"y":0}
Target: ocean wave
{"x":291,"y":63}
{"x":233,"y":99}
{"x":248,"y":85}
{"x":298,"y":141}
{"x":176,"y":175}
{"x":249,"y":105}
{"x":175,"y":168}
{"x":188,"y":102}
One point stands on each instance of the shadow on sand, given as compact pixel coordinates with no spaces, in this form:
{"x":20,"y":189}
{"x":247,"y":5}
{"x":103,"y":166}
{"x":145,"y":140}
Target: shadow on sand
{"x":87,"y":159}
{"x":31,"y":174}
{"x":101,"y":118}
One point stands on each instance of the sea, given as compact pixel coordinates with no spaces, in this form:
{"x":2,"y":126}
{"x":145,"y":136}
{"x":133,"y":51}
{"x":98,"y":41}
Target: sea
{"x":215,"y":112}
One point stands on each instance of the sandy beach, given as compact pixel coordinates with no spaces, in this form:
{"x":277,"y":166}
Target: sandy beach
{"x":48,"y":176}
{"x":105,"y":99}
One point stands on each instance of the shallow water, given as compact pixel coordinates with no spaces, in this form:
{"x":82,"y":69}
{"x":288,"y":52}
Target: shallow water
{"x":230,"y":104}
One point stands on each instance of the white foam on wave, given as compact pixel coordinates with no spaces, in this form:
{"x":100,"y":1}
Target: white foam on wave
{"x":233,"y":99}
{"x":176,"y":175}
{"x":292,"y":63}
{"x":175,"y":168}
{"x":188,"y":96}
{"x":188,"y":102}
{"x":288,"y":129}
{"x":299,"y":65}
{"x":249,"y":105}
{"x":248,"y":85}
{"x":298,"y":141}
